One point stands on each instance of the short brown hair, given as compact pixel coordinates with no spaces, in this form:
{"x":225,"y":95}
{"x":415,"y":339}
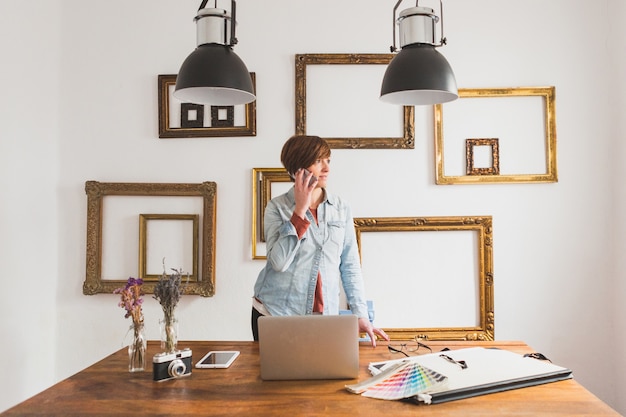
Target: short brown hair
{"x":301,"y":151}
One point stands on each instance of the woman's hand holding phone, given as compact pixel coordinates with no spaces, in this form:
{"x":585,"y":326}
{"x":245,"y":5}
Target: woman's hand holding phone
{"x":304,"y":185}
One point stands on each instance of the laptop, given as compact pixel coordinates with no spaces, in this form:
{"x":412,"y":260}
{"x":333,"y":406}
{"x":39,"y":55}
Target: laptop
{"x":309,"y":347}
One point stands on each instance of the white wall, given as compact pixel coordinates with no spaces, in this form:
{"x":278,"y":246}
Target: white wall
{"x":96,"y":92}
{"x":29,"y":257}
{"x":617,"y":36}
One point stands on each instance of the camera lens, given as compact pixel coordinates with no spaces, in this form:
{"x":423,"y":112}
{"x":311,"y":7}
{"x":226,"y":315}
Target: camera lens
{"x":177,"y":368}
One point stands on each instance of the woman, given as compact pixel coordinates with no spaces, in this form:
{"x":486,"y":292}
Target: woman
{"x":311,"y":244}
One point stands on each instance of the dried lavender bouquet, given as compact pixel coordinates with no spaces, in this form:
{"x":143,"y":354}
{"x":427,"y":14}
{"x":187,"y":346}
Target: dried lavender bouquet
{"x":168,"y":292}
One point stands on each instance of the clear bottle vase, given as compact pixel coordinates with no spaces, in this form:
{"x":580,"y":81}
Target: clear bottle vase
{"x":137,"y":349}
{"x":169,"y":334}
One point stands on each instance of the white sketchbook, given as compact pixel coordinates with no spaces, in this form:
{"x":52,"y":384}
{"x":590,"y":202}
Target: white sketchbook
{"x":487,"y":371}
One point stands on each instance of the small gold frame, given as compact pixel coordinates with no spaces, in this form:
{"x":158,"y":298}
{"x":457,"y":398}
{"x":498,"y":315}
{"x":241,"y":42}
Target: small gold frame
{"x":143,"y":244}
{"x":262,"y":179}
{"x":96,"y":191}
{"x":482,"y":226}
{"x":302,"y":60}
{"x":548,"y":94}
{"x":165,"y":81}
{"x":494,"y":169}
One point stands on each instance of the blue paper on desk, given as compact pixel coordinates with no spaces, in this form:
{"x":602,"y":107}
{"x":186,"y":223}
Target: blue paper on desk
{"x":488,"y":370}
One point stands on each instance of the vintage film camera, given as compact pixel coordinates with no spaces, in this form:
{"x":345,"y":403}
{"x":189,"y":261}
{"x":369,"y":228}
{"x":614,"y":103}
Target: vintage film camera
{"x":171,"y":365}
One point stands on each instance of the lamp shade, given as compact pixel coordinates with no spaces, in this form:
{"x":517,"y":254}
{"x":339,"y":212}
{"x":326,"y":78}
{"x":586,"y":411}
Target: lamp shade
{"x":213,"y":74}
{"x":418,"y":75}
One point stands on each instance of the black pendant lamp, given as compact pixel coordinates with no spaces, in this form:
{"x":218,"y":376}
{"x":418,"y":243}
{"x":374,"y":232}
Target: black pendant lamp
{"x":418,"y":74}
{"x":213,"y":74}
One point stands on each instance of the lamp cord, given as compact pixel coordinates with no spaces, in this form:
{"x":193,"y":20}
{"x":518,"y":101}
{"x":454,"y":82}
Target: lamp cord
{"x":203,"y":4}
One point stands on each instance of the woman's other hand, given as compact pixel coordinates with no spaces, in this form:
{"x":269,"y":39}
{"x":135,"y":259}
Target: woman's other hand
{"x":366,"y":326}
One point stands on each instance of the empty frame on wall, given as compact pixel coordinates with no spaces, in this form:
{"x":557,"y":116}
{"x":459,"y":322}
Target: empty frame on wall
{"x":430,"y":277}
{"x":337,"y":99}
{"x":266,"y":182}
{"x":489,"y":164}
{"x":173,"y":234}
{"x":119,"y":239}
{"x":520,"y":122}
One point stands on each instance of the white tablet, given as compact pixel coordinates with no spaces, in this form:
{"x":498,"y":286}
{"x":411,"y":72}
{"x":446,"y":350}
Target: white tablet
{"x":218,"y":359}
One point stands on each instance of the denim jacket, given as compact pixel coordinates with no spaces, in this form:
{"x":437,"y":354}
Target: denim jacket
{"x":286,"y":285}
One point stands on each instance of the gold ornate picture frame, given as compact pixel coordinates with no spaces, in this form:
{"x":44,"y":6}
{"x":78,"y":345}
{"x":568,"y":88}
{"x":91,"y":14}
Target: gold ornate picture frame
{"x":97,"y":193}
{"x":472,"y":167}
{"x":262,"y":180}
{"x":303,"y":61}
{"x":222,"y":117}
{"x":511,"y":120}
{"x":146,"y":241}
{"x":480,"y":234}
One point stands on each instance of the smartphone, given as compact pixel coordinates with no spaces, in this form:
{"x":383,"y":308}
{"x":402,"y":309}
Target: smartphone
{"x":306,"y":172}
{"x":218,"y":359}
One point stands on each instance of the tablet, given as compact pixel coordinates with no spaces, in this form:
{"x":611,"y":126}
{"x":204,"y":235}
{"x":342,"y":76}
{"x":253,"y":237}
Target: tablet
{"x":218,"y":359}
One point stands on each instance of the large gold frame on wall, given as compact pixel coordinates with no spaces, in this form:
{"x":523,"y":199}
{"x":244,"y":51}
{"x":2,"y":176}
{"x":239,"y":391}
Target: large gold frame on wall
{"x":548,"y":94}
{"x":482,"y":226}
{"x":96,"y":191}
{"x":302,"y":60}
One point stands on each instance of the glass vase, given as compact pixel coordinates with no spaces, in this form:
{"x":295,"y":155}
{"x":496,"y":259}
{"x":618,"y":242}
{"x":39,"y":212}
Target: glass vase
{"x":169,"y":334}
{"x":137,"y":349}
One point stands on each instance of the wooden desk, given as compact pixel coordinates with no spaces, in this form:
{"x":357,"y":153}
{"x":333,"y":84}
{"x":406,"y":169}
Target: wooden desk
{"x":107,"y":388}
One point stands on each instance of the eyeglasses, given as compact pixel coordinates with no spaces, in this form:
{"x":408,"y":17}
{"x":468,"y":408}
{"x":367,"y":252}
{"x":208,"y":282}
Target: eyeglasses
{"x":410,"y":347}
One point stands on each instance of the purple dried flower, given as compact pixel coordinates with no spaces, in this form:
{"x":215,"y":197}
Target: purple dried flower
{"x":131,"y":299}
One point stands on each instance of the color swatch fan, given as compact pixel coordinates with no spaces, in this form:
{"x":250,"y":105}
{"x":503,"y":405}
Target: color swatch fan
{"x":405,"y":380}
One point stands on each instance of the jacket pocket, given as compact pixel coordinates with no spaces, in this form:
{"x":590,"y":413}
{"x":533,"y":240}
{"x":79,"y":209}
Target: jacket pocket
{"x":337,"y":232}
